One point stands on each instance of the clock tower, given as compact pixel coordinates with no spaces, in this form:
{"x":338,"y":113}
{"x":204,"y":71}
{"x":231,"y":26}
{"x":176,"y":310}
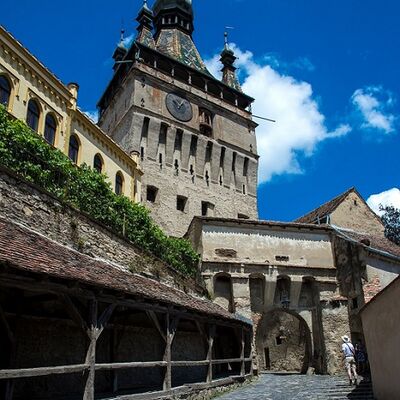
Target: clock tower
{"x":194,"y":133}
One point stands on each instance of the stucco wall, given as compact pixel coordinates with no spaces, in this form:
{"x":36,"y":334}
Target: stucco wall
{"x":381,"y":324}
{"x":303,"y":249}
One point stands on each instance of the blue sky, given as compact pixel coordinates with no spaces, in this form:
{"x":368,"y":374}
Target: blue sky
{"x":327,"y":71}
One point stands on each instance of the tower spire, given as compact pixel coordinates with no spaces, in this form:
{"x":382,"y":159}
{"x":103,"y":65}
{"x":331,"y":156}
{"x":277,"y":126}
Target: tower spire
{"x":228,"y":58}
{"x":145,"y":28}
{"x":120,"y":51}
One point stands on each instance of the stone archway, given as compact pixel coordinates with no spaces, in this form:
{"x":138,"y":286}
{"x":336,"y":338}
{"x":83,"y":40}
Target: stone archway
{"x":283,"y":342}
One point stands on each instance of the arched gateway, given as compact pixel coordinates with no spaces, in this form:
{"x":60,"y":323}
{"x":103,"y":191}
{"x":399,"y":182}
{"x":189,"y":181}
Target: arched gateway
{"x":283,"y":342}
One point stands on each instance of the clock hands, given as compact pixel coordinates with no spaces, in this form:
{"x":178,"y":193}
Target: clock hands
{"x":177,"y":104}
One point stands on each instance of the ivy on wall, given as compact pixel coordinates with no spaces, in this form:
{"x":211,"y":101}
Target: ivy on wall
{"x":26,"y":153}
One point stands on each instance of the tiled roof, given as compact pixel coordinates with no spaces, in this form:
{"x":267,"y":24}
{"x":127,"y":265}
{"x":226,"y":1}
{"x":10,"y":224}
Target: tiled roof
{"x":26,"y":250}
{"x":324,"y":210}
{"x":179,"y":45}
{"x":373,"y":242}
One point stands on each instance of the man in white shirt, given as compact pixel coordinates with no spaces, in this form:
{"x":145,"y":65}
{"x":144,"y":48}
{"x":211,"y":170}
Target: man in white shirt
{"x":349,"y":360}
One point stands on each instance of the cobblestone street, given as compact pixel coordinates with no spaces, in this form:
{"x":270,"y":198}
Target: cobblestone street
{"x":300,"y":387}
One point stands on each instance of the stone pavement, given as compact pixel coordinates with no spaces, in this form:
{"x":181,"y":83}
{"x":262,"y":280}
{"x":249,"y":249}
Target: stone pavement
{"x":301,"y":387}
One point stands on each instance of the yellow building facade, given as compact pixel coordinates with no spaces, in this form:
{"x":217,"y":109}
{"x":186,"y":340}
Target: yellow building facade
{"x":31,"y":93}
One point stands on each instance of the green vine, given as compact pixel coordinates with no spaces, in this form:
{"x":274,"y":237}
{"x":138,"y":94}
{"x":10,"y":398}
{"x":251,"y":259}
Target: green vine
{"x":26,"y":153}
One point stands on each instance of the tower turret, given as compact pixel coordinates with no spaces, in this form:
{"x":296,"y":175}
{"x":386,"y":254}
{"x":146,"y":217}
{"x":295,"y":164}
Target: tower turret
{"x":120,"y":52}
{"x":173,"y":14}
{"x":228,"y":59}
{"x":145,"y":28}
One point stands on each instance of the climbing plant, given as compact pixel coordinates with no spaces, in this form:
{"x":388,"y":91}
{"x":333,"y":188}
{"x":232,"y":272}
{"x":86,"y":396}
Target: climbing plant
{"x":26,"y":153}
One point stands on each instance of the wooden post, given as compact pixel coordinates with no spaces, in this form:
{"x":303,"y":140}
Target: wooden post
{"x":211,"y":337}
{"x":91,"y":353}
{"x":242,"y":348}
{"x":171,"y":328}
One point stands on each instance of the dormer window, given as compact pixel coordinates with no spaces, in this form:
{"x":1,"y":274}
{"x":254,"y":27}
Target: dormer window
{"x":206,"y":122}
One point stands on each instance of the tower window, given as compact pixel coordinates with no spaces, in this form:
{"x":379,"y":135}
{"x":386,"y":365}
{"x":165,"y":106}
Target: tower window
{"x":206,"y":122}
{"x":152,"y":192}
{"x":160,"y":159}
{"x":5,"y":90}
{"x":73,"y":150}
{"x":246,"y":167}
{"x":209,"y":150}
{"x":181,"y":202}
{"x":119,"y":183}
{"x":50,"y":129}
{"x":234,"y":162}
{"x":33,"y":115}
{"x":207,"y":209}
{"x":145,"y":127}
{"x":193,"y":146}
{"x":163,"y":133}
{"x":178,"y":139}
{"x":222,"y":158}
{"x":98,"y":163}
{"x":142,"y":153}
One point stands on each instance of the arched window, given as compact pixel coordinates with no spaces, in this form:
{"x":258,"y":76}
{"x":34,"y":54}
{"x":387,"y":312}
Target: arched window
{"x":33,"y":115}
{"x":73,"y":151}
{"x":50,"y":129}
{"x":119,"y":183}
{"x":5,"y":90}
{"x":98,"y":163}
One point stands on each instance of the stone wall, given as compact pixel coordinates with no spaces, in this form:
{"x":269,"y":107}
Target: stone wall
{"x":29,"y":205}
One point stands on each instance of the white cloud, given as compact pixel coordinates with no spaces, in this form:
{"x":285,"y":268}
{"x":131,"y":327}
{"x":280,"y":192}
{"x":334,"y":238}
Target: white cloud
{"x":93,"y":115}
{"x":299,"y":126}
{"x":388,"y":198}
{"x":374,"y":103}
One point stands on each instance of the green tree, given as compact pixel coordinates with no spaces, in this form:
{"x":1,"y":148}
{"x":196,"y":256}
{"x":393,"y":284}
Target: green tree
{"x":391,"y":220}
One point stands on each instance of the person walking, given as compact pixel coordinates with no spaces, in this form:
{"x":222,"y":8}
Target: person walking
{"x":349,"y":360}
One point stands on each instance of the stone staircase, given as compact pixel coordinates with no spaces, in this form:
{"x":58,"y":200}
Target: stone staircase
{"x":341,"y":390}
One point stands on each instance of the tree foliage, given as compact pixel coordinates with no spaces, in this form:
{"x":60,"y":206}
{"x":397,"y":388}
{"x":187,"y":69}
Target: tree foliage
{"x":26,"y":153}
{"x":391,"y":220}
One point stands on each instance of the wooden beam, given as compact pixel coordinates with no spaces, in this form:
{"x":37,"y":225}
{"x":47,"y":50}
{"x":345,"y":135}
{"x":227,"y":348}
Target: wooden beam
{"x":130,"y":365}
{"x":32,"y":372}
{"x":105,"y":317}
{"x":6,"y":325}
{"x":73,"y":312}
{"x":153,"y":317}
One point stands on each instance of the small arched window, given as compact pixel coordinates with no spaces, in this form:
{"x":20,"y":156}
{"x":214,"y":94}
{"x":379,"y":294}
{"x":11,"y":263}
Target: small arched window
{"x":5,"y":90}
{"x":119,"y":183}
{"x":73,"y":151}
{"x":33,"y":115}
{"x":98,"y":163}
{"x":50,"y":129}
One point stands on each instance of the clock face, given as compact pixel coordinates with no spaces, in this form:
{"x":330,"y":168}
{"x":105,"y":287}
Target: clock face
{"x":179,"y":108}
